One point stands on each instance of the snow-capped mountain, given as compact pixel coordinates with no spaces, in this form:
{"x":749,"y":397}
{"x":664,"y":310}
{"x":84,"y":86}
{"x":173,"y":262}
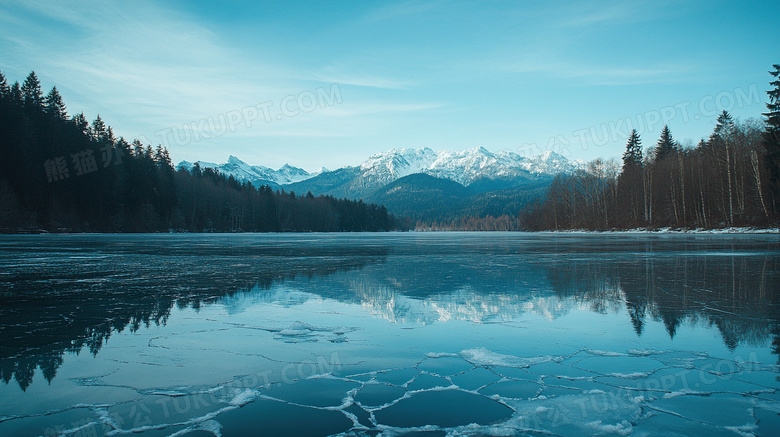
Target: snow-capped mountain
{"x":420,"y":184}
{"x":463,"y":167}
{"x":380,"y":169}
{"x":255,"y":174}
{"x":386,"y":300}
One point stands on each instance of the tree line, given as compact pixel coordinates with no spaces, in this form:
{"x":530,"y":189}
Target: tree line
{"x":503,"y":222}
{"x":61,"y":173}
{"x":730,"y":179}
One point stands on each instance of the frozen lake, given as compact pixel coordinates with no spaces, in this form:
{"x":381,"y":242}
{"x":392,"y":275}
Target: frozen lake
{"x":426,"y":334}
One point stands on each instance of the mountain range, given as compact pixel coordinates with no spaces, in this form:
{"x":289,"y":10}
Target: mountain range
{"x":257,"y":175}
{"x":420,"y":183}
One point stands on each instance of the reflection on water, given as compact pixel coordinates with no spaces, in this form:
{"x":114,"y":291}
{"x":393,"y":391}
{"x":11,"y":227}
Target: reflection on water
{"x":64,"y":294}
{"x":737,"y":294}
{"x":73,"y":295}
{"x":462,"y":333}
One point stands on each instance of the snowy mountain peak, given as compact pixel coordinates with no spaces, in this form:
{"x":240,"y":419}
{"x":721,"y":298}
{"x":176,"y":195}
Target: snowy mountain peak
{"x":550,"y":156}
{"x":258,"y":174}
{"x":234,"y":160}
{"x":554,"y":162}
{"x":480,"y":150}
{"x":397,"y":163}
{"x":461,"y":166}
{"x":289,"y":174}
{"x":464,"y":166}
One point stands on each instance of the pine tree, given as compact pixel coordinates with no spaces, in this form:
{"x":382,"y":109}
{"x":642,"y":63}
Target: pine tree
{"x":772,"y":137}
{"x":630,"y":181}
{"x":123,"y":148}
{"x":166,"y":157}
{"x":16,"y":94}
{"x":109,"y":138}
{"x":4,"y":89}
{"x":98,"y":129}
{"x":666,"y":144}
{"x":54,"y":104}
{"x":138,"y":148}
{"x":773,"y":116}
{"x":161,"y":156}
{"x":723,"y":127}
{"x":721,"y":139}
{"x":633,"y":153}
{"x":31,"y":91}
{"x":81,"y":123}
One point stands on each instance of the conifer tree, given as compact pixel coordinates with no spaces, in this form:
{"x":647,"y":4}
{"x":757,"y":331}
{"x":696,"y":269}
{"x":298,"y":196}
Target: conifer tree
{"x":31,"y":91}
{"x":54,"y":104}
{"x":138,"y":148}
{"x":666,"y":144}
{"x":723,"y":127}
{"x":771,"y":138}
{"x":16,"y":94}
{"x":630,"y":183}
{"x":158,"y":154}
{"x":166,"y":157}
{"x":162,"y":157}
{"x":98,"y":129}
{"x":81,"y":123}
{"x":633,"y":153}
{"x":722,"y":141}
{"x":109,"y":138}
{"x":4,"y":89}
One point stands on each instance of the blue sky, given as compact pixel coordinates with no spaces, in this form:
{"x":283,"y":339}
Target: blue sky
{"x":328,"y":84}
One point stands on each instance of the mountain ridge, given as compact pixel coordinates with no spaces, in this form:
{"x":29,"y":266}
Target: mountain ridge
{"x":255,"y":174}
{"x":421,"y":184}
{"x":464,"y":167}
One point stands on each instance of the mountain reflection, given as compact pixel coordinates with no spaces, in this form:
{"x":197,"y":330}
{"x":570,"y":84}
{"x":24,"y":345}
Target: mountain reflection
{"x":736,"y":294}
{"x":78,"y":302}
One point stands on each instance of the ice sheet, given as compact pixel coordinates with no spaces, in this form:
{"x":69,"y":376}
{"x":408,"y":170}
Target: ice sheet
{"x":360,"y":335}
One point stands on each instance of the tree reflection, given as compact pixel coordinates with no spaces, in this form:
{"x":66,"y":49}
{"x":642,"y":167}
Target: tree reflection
{"x":737,"y":294}
{"x":77,"y":303}
{"x":67,"y":307}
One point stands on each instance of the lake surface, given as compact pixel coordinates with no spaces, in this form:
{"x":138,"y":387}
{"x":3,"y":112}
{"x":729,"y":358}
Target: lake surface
{"x":426,"y":334}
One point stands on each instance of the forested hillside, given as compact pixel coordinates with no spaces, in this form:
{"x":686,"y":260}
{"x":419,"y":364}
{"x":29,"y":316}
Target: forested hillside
{"x":731,"y":178}
{"x":443,"y":205}
{"x":61,"y":173}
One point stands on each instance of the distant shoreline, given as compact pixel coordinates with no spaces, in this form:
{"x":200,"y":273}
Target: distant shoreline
{"x":716,"y":231}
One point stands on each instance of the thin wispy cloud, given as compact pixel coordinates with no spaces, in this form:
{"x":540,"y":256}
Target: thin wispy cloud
{"x":369,"y":108}
{"x":594,"y":74}
{"x":396,"y":11}
{"x":587,"y":15}
{"x":445,"y":71}
{"x":150,"y":55}
{"x":362,"y":80}
{"x":564,"y":47}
